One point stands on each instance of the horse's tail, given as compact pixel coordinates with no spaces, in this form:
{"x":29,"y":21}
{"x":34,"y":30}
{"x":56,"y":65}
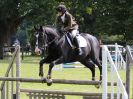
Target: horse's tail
{"x":100,"y":53}
{"x":96,"y":49}
{"x":97,"y":53}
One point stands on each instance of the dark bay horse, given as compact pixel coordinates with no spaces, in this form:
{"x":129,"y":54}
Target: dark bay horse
{"x":59,"y":51}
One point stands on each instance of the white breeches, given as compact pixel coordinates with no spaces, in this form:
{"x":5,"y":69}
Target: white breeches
{"x":74,"y":33}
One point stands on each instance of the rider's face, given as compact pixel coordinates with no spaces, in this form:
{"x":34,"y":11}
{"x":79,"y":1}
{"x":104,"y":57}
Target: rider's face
{"x":59,"y":13}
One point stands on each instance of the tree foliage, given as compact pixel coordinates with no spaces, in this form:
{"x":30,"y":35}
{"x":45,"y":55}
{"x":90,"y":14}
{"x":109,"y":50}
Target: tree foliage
{"x":115,"y":17}
{"x":98,"y":17}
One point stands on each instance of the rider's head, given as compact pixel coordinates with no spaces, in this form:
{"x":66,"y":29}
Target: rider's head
{"x":61,"y":9}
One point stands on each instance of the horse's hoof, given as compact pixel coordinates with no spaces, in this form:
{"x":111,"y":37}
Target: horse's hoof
{"x":93,"y":78}
{"x":49,"y":82}
{"x":43,"y":80}
{"x":97,"y":86}
{"x":48,"y":77}
{"x":41,"y":75}
{"x":100,"y":77}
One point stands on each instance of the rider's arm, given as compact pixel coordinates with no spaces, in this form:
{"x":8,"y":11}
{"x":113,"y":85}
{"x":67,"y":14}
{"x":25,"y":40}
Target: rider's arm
{"x":69,"y":16}
{"x":58,"y":23}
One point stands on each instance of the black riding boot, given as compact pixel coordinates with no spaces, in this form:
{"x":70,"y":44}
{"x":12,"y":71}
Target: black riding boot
{"x":77,"y":46}
{"x":70,"y":37}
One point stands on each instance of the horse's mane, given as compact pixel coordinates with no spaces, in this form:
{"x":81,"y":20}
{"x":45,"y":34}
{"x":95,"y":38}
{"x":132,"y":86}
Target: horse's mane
{"x":50,"y":29}
{"x":50,"y":26}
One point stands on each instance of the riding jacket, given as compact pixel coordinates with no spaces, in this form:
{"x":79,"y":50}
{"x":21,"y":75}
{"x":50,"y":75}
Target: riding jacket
{"x":66,"y":22}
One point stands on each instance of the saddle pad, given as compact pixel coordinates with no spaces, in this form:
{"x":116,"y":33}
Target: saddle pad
{"x":70,"y":43}
{"x":82,"y":41}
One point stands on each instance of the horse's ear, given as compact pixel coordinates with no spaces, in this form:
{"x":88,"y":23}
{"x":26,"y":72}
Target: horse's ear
{"x":41,"y":28}
{"x":35,"y":28}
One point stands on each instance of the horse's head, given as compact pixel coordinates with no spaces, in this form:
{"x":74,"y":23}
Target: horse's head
{"x":41,"y":40}
{"x":45,"y":36}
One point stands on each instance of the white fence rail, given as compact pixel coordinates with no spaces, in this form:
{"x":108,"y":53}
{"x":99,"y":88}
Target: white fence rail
{"x":129,"y":61}
{"x":119,"y":61}
{"x":114,"y":75}
{"x":129,"y":52}
{"x":117,"y":52}
{"x":6,"y":93}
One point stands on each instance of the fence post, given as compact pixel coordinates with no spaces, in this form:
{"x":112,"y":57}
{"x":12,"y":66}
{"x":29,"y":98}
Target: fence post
{"x":116,"y":56}
{"x":112,"y":82}
{"x":3,"y":93}
{"x":7,"y":90}
{"x":18,"y":64}
{"x":104,"y":73}
{"x":12,"y":83}
{"x":128,"y":75}
{"x":118,"y":89}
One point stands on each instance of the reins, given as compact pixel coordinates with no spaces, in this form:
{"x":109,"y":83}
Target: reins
{"x":55,"y":39}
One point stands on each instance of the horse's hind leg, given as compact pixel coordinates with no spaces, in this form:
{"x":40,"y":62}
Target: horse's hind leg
{"x":91,"y":66}
{"x":98,"y":63}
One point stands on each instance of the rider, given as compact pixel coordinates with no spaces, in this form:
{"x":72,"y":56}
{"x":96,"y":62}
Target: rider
{"x":65,"y":22}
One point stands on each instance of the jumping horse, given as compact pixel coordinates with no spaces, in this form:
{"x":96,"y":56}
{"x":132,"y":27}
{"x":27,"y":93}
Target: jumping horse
{"x":59,"y":51}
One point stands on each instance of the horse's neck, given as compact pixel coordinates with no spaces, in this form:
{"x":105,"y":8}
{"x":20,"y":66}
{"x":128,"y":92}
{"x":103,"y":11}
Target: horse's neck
{"x":61,"y":40}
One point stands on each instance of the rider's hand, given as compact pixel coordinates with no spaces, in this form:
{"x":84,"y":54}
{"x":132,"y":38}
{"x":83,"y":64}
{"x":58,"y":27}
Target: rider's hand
{"x":62,"y":29}
{"x":65,"y":29}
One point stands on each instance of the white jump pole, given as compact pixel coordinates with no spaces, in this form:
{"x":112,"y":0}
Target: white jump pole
{"x":104,"y":73}
{"x":18,"y":64}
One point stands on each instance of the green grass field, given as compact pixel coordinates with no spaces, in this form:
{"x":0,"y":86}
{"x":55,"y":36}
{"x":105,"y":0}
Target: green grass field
{"x":30,"y":68}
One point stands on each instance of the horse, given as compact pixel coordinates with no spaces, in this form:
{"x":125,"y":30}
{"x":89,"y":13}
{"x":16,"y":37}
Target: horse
{"x":59,"y":51}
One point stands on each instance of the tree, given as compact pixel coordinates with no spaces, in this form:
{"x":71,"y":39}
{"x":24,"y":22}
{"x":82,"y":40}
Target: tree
{"x":13,"y":12}
{"x":111,"y":17}
{"x":114,"y":17}
{"x":9,"y":20}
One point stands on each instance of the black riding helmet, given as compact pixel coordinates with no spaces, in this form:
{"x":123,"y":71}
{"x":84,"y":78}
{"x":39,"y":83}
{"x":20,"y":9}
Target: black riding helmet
{"x":61,"y":8}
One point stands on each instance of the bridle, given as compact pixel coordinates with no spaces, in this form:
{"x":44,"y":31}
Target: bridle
{"x":49,"y":43}
{"x":46,"y":43}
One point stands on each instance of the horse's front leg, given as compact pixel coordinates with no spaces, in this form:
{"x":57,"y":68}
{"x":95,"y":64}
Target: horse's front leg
{"x":41,"y":74}
{"x":57,"y":61}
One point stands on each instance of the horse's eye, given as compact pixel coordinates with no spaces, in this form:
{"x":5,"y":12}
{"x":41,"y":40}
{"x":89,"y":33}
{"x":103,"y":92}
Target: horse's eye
{"x":41,"y":34}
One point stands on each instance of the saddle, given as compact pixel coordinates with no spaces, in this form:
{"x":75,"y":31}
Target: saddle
{"x":81,"y":41}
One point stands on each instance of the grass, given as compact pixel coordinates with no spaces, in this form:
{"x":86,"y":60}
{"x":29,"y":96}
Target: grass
{"x":30,"y":68}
